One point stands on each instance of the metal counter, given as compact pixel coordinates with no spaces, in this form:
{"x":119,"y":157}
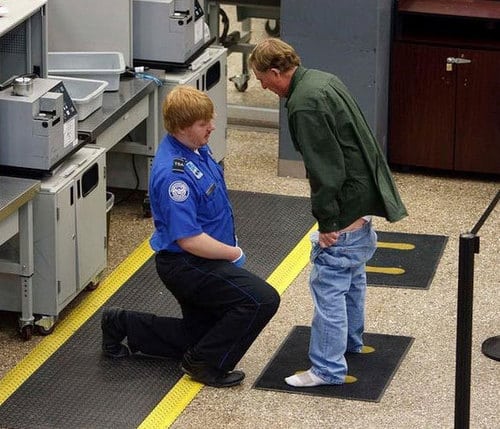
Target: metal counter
{"x":15,"y":193}
{"x":16,"y":217}
{"x":127,"y":126}
{"x":114,"y":105}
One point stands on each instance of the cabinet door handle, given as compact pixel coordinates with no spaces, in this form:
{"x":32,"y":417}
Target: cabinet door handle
{"x":455,"y":60}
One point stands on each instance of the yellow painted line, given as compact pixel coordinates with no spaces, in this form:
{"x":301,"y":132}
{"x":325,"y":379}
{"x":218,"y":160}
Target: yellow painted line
{"x":185,"y":390}
{"x":292,"y":265}
{"x":172,"y":405}
{"x":390,"y":270}
{"x":385,"y":270}
{"x":75,"y":319}
{"x":179,"y":397}
{"x":396,"y":246}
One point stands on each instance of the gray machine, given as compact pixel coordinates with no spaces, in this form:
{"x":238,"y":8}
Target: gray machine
{"x":167,"y":32}
{"x":69,"y":239}
{"x":91,"y":25}
{"x":39,"y":124}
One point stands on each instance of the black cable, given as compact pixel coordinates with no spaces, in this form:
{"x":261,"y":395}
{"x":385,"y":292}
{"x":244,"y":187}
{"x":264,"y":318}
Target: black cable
{"x":136,"y":174}
{"x":225,"y":23}
{"x":486,"y":213}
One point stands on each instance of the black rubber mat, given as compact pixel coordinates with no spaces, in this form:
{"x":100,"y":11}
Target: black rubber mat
{"x":269,"y":226}
{"x":419,"y":263}
{"x":374,"y":371}
{"x":78,"y":388}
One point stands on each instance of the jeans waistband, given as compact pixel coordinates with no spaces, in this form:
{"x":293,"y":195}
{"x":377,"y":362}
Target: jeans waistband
{"x":346,"y":235}
{"x":357,"y":224}
{"x":355,"y":233}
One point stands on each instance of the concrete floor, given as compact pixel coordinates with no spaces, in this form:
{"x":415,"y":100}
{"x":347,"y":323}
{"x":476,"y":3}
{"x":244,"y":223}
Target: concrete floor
{"x":421,"y":395}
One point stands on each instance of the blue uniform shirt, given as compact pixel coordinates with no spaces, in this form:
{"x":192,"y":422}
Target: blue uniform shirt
{"x":188,"y":196}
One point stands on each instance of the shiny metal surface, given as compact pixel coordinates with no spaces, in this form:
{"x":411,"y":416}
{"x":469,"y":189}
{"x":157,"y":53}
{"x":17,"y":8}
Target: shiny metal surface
{"x":14,"y":193}
{"x":23,"y":86}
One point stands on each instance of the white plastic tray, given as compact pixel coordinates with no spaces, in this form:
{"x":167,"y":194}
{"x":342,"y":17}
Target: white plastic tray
{"x":105,"y":66}
{"x":86,"y":93}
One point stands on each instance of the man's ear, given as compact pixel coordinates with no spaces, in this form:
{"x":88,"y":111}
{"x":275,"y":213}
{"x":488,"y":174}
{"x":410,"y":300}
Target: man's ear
{"x":275,"y":72}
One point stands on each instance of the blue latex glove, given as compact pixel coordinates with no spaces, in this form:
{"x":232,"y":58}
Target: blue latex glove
{"x":240,"y":261}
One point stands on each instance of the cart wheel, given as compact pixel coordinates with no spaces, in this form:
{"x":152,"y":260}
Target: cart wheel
{"x":45,"y":331}
{"x":44,"y":325}
{"x":241,"y":87}
{"x":240,"y":82}
{"x":92,"y":286}
{"x":272,"y":31}
{"x":27,"y":332}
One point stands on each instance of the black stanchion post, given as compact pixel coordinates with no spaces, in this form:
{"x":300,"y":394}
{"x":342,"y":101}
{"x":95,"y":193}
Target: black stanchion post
{"x":490,"y":346}
{"x":468,"y":246}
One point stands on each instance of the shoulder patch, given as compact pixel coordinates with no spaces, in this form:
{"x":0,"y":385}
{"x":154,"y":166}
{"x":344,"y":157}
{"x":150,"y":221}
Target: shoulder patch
{"x":178,"y":191}
{"x":178,"y":165}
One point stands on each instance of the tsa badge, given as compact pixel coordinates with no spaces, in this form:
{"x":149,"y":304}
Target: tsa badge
{"x":178,"y":191}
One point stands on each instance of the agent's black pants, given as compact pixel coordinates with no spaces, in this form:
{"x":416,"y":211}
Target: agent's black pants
{"x":224,"y":309}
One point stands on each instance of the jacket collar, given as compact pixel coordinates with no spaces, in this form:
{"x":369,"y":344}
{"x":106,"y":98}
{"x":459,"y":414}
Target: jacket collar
{"x":296,"y":78}
{"x":185,"y":152}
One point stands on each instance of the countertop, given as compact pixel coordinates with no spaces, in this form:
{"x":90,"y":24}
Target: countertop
{"x":18,"y":11}
{"x":14,"y":193}
{"x":114,"y":105}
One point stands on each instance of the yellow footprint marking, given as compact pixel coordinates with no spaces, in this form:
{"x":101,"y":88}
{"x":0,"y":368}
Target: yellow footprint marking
{"x":397,"y":246}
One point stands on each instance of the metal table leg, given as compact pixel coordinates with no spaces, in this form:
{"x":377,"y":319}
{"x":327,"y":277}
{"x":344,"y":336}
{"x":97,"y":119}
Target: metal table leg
{"x":26,"y":267}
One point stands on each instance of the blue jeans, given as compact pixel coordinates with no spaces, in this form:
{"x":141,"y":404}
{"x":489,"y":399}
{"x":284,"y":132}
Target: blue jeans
{"x":338,"y":288}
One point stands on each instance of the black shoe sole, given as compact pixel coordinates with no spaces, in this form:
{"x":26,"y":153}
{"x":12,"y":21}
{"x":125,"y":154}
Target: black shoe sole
{"x":216,"y":382}
{"x":122,"y":353}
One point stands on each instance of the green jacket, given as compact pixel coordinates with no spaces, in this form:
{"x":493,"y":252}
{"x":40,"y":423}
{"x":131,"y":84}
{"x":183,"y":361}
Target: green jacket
{"x":347,"y":171}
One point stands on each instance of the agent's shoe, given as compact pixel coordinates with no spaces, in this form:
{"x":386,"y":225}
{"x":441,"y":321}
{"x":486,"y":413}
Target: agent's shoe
{"x":113,"y":333}
{"x":208,"y":375}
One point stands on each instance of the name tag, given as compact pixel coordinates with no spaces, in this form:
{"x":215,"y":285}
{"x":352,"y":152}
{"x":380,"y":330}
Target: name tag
{"x":194,"y":169}
{"x":210,"y":189}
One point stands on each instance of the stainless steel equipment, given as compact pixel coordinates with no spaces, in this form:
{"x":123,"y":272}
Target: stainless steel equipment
{"x":90,"y":25}
{"x":236,"y":41}
{"x":167,"y":32}
{"x":23,"y":86}
{"x":69,"y":237}
{"x":39,"y":125}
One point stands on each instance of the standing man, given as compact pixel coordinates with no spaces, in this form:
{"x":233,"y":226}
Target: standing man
{"x":224,"y":306}
{"x":350,"y":182}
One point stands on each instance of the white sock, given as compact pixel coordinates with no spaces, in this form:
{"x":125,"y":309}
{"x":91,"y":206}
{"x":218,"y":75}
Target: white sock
{"x":305,"y":379}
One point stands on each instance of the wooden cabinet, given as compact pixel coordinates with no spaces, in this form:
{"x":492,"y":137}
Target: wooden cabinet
{"x":445,"y":87}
